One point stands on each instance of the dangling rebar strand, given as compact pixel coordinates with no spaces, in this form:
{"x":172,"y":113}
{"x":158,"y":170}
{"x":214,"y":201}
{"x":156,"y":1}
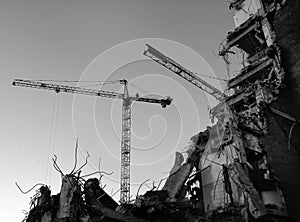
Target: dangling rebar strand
{"x":25,"y":192}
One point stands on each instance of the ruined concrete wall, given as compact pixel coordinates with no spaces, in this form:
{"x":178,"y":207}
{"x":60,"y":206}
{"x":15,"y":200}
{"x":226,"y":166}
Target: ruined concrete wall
{"x":286,"y":162}
{"x":287,"y":29}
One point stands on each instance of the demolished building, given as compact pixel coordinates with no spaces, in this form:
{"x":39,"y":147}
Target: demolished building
{"x":242,"y":168}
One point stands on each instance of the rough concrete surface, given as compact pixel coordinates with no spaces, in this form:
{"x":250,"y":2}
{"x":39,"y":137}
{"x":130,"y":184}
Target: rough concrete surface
{"x":284,"y":161}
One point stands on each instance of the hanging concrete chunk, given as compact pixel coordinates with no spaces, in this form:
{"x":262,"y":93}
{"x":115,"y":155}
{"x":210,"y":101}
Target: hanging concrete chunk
{"x":248,"y":186}
{"x":175,"y":183}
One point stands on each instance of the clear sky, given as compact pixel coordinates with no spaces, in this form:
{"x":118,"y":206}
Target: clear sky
{"x":100,"y":40}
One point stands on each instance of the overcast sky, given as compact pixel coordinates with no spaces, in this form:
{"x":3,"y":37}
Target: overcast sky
{"x":100,"y":40}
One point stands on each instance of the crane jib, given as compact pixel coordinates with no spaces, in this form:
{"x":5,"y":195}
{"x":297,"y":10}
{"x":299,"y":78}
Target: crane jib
{"x":175,"y":67}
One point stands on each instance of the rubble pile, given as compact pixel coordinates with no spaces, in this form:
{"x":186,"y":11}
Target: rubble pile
{"x":88,"y":202}
{"x":83,"y":200}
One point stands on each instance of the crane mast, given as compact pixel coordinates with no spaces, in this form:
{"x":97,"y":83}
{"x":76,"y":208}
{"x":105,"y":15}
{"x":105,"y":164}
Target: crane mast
{"x":192,"y":77}
{"x":126,"y":119}
{"x":125,"y":147}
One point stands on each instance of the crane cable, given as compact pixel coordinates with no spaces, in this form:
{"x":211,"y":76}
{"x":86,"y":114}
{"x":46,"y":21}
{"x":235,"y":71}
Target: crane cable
{"x":95,"y":82}
{"x":211,"y":77}
{"x":52,"y":136}
{"x":135,"y":86}
{"x":146,"y":92}
{"x":76,"y":81}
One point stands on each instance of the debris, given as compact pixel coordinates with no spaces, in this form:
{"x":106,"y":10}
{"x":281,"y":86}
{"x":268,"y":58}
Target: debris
{"x":175,"y":183}
{"x":95,"y":195}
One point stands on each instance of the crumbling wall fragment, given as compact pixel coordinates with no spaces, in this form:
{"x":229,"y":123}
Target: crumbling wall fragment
{"x":69,"y":198}
{"x":248,"y":186}
{"x":95,"y":195}
{"x":175,"y":182}
{"x":177,"y":164}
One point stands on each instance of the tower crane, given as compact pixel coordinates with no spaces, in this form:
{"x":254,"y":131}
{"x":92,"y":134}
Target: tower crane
{"x":192,"y":77}
{"x":126,"y":119}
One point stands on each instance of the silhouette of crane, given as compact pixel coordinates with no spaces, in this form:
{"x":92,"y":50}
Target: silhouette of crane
{"x":126,"y":118}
